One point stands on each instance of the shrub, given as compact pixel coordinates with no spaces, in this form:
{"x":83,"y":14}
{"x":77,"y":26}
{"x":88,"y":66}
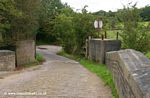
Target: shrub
{"x":39,"y":58}
{"x":147,"y":55}
{"x":135,"y":35}
{"x":73,"y":28}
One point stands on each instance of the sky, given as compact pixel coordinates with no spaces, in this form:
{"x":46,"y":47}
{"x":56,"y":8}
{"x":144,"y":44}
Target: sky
{"x":106,"y":5}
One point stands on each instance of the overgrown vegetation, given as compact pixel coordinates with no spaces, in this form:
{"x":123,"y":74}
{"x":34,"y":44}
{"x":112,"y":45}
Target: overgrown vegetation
{"x":73,"y":29}
{"x":39,"y":58}
{"x":55,"y":23}
{"x":50,"y":21}
{"x":18,"y":19}
{"x":99,"y":69}
{"x":135,"y":35}
{"x":49,"y":10}
{"x":148,"y":54}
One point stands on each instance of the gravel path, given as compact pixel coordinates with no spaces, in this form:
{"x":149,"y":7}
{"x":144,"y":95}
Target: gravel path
{"x":58,"y":77}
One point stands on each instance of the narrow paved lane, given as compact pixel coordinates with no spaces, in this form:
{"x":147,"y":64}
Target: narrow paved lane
{"x":58,"y":77}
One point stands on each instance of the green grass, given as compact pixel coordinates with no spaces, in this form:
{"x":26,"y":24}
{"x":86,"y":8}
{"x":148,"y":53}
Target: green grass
{"x":147,"y":55}
{"x":62,"y":53}
{"x":39,"y":60}
{"x":144,"y":23}
{"x":29,"y":64}
{"x":100,"y":70}
{"x":112,"y":34}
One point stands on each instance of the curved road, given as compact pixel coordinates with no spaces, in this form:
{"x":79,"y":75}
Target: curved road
{"x":58,"y":77}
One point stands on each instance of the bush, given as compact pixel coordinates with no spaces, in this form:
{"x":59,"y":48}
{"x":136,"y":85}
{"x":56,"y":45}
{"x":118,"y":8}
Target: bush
{"x":39,"y":58}
{"x":73,"y":28}
{"x":135,"y":35}
{"x":147,"y":55}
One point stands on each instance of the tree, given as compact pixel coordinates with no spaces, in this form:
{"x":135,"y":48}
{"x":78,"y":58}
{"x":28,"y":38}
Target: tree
{"x":145,"y":13}
{"x":18,"y":19}
{"x":7,"y":12}
{"x":25,"y":26}
{"x":49,"y":11}
{"x":65,"y":29}
{"x":135,"y":35}
{"x":83,"y":24}
{"x":73,"y":28}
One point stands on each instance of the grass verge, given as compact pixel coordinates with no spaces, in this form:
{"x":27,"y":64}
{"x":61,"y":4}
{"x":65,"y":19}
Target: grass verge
{"x":147,"y":55}
{"x":38,"y":60}
{"x":99,"y":69}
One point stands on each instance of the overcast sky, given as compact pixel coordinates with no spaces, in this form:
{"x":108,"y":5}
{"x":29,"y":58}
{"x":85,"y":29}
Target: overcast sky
{"x":96,"y":5}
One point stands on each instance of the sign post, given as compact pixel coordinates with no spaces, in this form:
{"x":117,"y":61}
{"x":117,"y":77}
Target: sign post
{"x":98,"y":24}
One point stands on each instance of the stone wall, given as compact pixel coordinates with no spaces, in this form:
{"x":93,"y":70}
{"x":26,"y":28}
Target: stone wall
{"x":7,"y":60}
{"x":25,"y":52}
{"x":131,"y":73}
{"x":98,"y":48}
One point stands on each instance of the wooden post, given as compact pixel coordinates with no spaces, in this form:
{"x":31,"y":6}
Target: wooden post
{"x":105,"y":34}
{"x":88,"y":50}
{"x":102,"y":36}
{"x":117,"y":35}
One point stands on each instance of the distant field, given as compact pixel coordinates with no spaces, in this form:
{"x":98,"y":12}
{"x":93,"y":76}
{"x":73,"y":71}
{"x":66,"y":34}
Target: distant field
{"x":143,"y":23}
{"x":112,"y":34}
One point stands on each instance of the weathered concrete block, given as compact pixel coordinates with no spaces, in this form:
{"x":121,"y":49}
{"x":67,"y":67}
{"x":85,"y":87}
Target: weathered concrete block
{"x":7,"y":60}
{"x":98,"y":48}
{"x":131,"y":73}
{"x":25,"y":52}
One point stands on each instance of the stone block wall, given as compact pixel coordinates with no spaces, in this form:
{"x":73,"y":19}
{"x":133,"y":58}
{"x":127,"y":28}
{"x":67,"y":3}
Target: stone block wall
{"x":7,"y":60}
{"x":25,"y":52}
{"x":98,"y":48}
{"x":131,"y":73}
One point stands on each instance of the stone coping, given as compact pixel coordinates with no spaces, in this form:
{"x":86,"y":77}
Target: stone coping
{"x":6,"y":52}
{"x":135,"y":69}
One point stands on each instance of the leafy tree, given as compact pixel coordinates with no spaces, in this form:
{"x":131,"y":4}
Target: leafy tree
{"x":65,"y":29}
{"x":135,"y":35}
{"x":18,"y":19}
{"x":100,"y":13}
{"x":83,"y":24}
{"x":145,"y":13}
{"x":7,"y":12}
{"x":73,"y":29}
{"x":49,"y":11}
{"x":25,"y":27}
